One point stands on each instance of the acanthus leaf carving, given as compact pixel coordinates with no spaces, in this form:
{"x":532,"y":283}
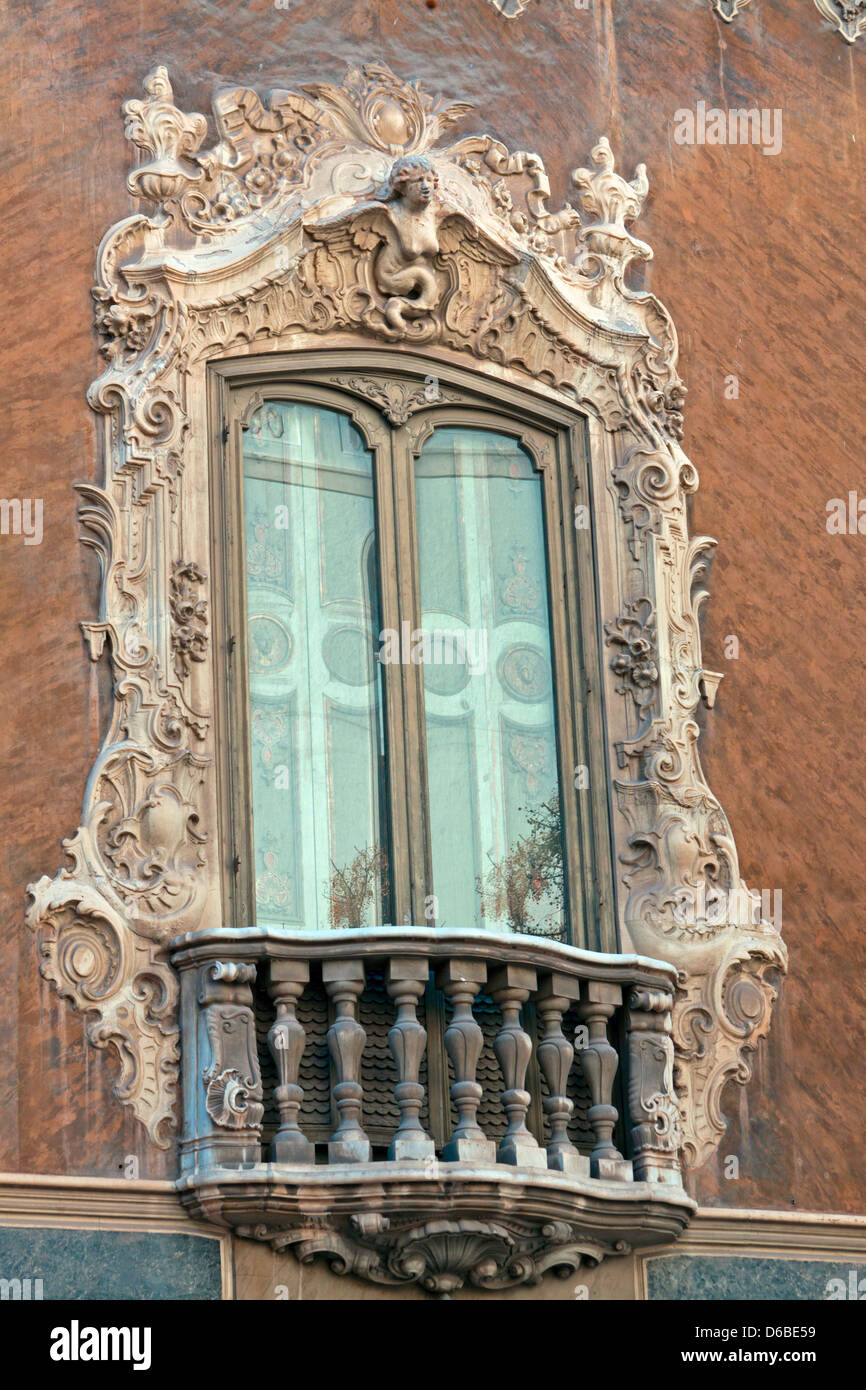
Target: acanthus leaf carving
{"x":649,"y":481}
{"x":398,"y":400}
{"x":374,"y":107}
{"x":718,"y":1024}
{"x":443,"y":1256}
{"x":610,"y":201}
{"x":123,"y":985}
{"x":168,"y":136}
{"x":148,"y":833}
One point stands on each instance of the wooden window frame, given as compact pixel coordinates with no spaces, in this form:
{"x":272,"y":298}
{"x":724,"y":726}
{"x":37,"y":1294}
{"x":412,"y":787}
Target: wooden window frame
{"x":556,"y":440}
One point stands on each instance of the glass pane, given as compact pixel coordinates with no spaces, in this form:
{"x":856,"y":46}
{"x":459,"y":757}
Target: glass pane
{"x":315,"y":706}
{"x":488,"y":689}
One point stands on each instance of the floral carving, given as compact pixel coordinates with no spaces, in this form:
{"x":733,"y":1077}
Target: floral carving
{"x":189,"y":616}
{"x":125,"y":327}
{"x":634,"y":633}
{"x":483,"y":157}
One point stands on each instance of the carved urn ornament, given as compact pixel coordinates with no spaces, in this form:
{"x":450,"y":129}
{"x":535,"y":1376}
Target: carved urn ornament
{"x":343,"y":221}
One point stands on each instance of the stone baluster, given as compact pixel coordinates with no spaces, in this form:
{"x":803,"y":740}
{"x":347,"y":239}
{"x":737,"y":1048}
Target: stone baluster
{"x":287,"y":1040}
{"x":510,"y":987}
{"x":405,"y":981}
{"x":656,"y":1136}
{"x":599,"y":1061}
{"x":344,"y":982}
{"x":556,"y":1058}
{"x":461,"y":980}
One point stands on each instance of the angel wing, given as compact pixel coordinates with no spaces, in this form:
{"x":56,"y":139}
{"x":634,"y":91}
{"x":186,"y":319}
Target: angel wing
{"x":458,"y":233}
{"x":363,"y":226}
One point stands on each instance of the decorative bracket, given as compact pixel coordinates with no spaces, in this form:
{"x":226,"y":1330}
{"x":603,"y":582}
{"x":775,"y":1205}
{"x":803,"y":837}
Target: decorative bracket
{"x":849,"y":16}
{"x":510,"y":9}
{"x":729,"y":9}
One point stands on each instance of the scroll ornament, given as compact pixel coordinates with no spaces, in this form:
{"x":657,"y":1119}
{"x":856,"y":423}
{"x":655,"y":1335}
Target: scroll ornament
{"x":444,"y":1255}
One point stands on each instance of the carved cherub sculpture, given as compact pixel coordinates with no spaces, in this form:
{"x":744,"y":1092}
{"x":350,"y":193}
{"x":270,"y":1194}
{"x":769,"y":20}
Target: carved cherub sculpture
{"x":412,"y":224}
{"x":403,"y":267}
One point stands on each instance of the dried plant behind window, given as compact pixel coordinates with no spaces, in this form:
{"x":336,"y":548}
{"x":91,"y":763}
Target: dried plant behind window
{"x":353,"y":888}
{"x":530,"y":872}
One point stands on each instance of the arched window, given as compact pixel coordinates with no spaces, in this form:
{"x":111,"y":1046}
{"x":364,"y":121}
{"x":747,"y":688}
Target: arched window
{"x":405,"y":629}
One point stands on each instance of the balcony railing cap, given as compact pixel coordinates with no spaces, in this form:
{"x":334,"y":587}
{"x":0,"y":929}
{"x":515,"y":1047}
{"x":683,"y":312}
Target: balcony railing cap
{"x":434,"y":944}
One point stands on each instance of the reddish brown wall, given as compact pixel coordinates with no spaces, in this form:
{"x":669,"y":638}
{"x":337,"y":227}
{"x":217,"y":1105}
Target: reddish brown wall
{"x":758,"y":259}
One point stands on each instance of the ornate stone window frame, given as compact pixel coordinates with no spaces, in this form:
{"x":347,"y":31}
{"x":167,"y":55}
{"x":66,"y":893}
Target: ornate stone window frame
{"x":288,"y":235}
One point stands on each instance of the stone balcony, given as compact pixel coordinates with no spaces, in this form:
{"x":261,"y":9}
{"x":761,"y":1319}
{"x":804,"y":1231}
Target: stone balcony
{"x":429,"y":1106}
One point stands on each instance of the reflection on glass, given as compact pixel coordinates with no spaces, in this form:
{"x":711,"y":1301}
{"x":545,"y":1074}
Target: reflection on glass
{"x":488,"y":691}
{"x":315,"y":707}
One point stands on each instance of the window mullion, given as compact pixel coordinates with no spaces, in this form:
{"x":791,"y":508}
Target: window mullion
{"x":561,"y":584}
{"x":408,"y":676}
{"x":396,"y":546}
{"x":234,"y":755}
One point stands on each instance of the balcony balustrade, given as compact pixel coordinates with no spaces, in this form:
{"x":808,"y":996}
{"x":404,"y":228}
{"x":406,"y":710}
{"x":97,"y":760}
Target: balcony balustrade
{"x":431,"y":1106}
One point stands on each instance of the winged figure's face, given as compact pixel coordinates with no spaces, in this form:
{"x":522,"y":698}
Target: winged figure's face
{"x":419,"y":189}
